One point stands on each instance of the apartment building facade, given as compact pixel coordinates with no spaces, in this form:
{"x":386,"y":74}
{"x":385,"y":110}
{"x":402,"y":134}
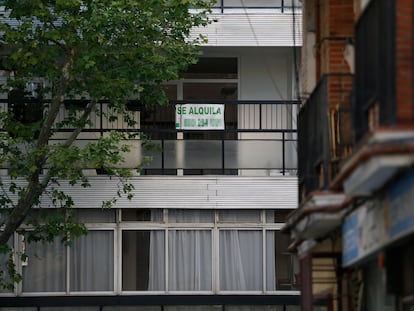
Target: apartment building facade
{"x":353,"y":229}
{"x":202,"y":231}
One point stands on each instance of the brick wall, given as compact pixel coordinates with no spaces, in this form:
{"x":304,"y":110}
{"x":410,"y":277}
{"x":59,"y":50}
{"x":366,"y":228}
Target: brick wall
{"x":404,"y":61}
{"x":336,"y":23}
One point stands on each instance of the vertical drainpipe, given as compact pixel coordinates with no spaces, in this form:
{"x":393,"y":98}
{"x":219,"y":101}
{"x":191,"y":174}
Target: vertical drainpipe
{"x":306,"y":283}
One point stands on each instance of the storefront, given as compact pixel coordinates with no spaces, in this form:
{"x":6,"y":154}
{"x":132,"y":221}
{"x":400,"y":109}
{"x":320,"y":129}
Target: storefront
{"x":378,"y":243}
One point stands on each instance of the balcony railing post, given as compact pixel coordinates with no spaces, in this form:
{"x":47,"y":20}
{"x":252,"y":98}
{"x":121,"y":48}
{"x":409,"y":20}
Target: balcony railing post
{"x":283,"y":153}
{"x":222,"y":155}
{"x":101,"y":119}
{"x":260,"y":116}
{"x":162,"y":155}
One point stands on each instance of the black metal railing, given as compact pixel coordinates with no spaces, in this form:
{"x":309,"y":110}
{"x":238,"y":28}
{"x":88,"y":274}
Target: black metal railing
{"x":324,"y":133}
{"x":375,"y":68}
{"x":239,"y":146}
{"x":257,"y":135}
{"x":313,"y":140}
{"x":281,"y":6}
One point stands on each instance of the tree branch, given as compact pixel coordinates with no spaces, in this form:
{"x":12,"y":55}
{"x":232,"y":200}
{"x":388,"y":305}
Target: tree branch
{"x":86,"y":113}
{"x":34,"y":189}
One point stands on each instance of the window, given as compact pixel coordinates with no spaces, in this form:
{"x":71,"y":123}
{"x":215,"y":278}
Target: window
{"x":143,"y":265}
{"x":3,"y":263}
{"x":25,"y":108}
{"x":174,"y":250}
{"x":241,"y":260}
{"x":92,"y":262}
{"x":190,"y":260}
{"x":177,"y":254}
{"x":45,"y":268}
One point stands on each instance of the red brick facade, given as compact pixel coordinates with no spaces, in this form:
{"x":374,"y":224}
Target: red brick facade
{"x":405,"y":61}
{"x":336,"y":25}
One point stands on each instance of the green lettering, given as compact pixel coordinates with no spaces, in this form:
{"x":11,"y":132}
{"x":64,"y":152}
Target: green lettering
{"x":182,"y":110}
{"x":189,"y":122}
{"x":215,"y":122}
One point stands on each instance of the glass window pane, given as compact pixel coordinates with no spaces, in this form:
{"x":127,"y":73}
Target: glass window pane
{"x":190,"y":260}
{"x":252,"y":3}
{"x":45,"y":267}
{"x":281,"y":266}
{"x":193,"y":154}
{"x":143,"y":260}
{"x":92,"y":262}
{"x":152,"y":158}
{"x":132,"y":308}
{"x":193,"y":308}
{"x":213,"y":91}
{"x":213,"y":68}
{"x":239,"y":216}
{"x":139,"y":214}
{"x":241,"y":260}
{"x":95,"y":215}
{"x":190,"y":216}
{"x":3,"y":263}
{"x":253,"y":154}
{"x":289,"y":3}
{"x":291,"y":155}
{"x":255,"y":308}
{"x":277,"y":216}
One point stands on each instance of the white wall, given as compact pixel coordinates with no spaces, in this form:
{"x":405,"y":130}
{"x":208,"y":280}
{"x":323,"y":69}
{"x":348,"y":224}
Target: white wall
{"x":266,"y":73}
{"x":241,"y":29}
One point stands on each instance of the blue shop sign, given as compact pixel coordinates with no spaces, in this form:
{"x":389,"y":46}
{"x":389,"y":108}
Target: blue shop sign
{"x":350,"y":238}
{"x":401,"y":207}
{"x":376,"y":224}
{"x":363,"y":232}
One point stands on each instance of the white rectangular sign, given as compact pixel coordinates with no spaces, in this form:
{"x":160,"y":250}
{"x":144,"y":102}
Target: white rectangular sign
{"x":199,"y":116}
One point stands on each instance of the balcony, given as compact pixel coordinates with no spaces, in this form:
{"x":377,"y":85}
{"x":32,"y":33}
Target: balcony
{"x":262,"y":6}
{"x":259,"y":139}
{"x":324,"y":138}
{"x":383,"y":135}
{"x":375,"y":101}
{"x":258,"y":136}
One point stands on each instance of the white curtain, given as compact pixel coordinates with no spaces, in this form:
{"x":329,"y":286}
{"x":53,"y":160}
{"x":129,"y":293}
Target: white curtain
{"x":45,"y":268}
{"x":270,"y":261}
{"x":92,"y":262}
{"x":130,"y":308}
{"x":190,"y":260}
{"x":156,"y":280}
{"x":189,"y":255}
{"x":241,"y":263}
{"x":193,"y":308}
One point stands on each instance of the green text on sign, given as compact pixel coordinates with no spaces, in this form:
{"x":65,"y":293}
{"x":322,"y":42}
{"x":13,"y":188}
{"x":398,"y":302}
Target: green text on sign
{"x":199,"y":116}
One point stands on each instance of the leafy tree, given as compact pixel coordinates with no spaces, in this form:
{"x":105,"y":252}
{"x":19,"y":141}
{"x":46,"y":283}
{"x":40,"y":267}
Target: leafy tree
{"x":101,"y":50}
